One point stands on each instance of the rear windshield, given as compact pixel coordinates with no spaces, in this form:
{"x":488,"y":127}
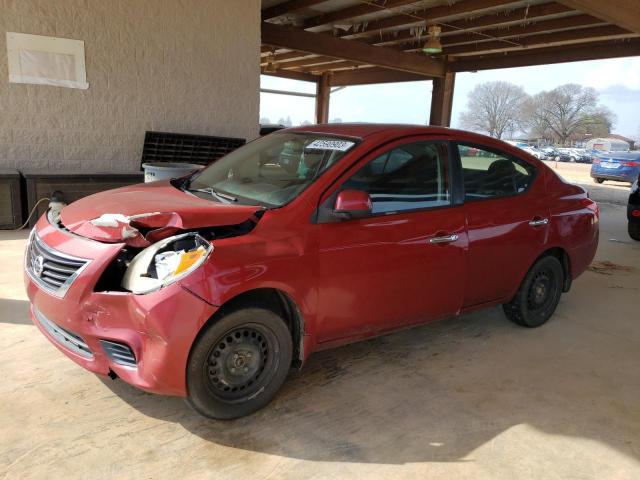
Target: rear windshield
{"x":274,"y":169}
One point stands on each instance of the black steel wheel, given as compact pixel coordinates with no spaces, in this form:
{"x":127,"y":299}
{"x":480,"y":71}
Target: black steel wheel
{"x":238,"y":364}
{"x":538,"y":295}
{"x":598,"y":180}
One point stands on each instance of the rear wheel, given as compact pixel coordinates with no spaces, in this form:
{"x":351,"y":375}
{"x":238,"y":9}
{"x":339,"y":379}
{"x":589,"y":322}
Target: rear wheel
{"x":239,"y":363}
{"x":572,"y":159}
{"x":598,"y":180}
{"x":634,"y":230}
{"x":538,"y":295}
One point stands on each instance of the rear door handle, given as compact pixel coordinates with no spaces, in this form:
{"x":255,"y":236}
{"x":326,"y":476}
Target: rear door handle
{"x":537,"y":222}
{"x":444,"y":239}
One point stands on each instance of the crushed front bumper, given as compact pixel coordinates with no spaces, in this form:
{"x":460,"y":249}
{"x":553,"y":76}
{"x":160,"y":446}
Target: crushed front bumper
{"x":158,"y":328}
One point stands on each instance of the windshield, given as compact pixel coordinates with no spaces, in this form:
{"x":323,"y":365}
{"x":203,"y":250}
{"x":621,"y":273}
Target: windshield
{"x":272,"y":170}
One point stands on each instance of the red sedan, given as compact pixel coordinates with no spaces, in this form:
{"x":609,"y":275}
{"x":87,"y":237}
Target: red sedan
{"x":213,"y":286}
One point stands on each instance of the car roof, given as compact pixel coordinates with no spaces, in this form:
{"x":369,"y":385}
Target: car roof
{"x":363,"y":130}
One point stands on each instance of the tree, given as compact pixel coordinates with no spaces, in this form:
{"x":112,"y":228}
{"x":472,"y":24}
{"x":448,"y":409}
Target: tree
{"x":568,"y":110}
{"x":495,"y":108}
{"x":265,"y":120}
{"x":597,"y":123}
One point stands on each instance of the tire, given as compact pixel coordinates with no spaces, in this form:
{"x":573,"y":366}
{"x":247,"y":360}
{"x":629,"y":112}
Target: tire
{"x":634,"y":230}
{"x":598,"y":180}
{"x":538,"y":295}
{"x":572,"y":159}
{"x":238,"y":363}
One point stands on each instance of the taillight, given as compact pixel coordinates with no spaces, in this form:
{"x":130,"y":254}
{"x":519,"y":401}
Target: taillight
{"x":635,"y":213}
{"x":596,"y":161}
{"x":591,"y":205}
{"x":631,"y":164}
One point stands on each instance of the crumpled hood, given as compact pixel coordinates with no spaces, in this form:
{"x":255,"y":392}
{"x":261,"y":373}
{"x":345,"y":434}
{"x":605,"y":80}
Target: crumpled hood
{"x":158,"y":209}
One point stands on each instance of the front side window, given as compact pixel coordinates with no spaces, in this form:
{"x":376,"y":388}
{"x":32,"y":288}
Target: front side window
{"x":410,"y":177}
{"x":489,"y":174}
{"x":273,"y":170}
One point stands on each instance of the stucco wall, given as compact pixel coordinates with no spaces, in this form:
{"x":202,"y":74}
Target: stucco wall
{"x":189,"y":66}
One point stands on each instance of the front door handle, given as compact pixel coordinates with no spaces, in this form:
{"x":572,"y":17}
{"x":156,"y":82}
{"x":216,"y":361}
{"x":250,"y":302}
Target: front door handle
{"x":444,"y":239}
{"x":537,"y":222}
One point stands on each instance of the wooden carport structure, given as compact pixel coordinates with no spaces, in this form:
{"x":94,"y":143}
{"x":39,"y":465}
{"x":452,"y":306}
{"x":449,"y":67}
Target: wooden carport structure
{"x":355,"y":42}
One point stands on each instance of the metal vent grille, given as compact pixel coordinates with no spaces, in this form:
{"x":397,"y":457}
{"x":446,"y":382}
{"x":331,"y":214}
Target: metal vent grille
{"x":119,"y":353}
{"x":52,"y":270}
{"x":64,"y":337}
{"x":180,"y":147}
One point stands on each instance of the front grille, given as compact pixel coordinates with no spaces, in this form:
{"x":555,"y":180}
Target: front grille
{"x":64,"y":337}
{"x":119,"y":353}
{"x":52,"y":270}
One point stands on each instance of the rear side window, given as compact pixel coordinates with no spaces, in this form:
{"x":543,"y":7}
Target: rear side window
{"x":491,"y":173}
{"x":410,"y":177}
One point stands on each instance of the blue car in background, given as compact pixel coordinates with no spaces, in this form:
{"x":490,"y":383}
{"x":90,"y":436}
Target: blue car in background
{"x":620,"y":166}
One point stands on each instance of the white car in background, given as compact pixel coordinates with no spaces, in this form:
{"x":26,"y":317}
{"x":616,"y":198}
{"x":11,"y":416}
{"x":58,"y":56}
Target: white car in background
{"x":539,"y":154}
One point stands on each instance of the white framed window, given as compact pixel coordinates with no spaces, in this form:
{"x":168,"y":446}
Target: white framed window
{"x":37,"y":59}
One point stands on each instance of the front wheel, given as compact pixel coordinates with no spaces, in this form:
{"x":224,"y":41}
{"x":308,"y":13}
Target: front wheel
{"x":538,"y":295}
{"x":598,"y":180}
{"x":634,"y":230}
{"x":238,"y":363}
{"x":572,"y":159}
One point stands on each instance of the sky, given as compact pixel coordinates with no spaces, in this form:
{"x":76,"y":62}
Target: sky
{"x":617,"y":81}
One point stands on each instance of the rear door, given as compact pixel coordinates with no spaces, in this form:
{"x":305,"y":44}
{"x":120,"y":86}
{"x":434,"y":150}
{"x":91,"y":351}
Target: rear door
{"x":507,"y":221}
{"x":404,"y":263}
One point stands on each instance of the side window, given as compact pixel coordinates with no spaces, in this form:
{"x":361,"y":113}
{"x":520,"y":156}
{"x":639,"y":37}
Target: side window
{"x":490,"y":174}
{"x":410,"y":177}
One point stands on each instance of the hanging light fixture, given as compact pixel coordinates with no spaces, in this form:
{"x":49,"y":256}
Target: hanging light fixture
{"x":433,"y":45}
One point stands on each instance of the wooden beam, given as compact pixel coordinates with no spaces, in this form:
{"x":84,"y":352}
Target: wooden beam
{"x":337,"y":65}
{"x":354,"y":11}
{"x":323,"y":93}
{"x":582,"y":35}
{"x":433,"y":15}
{"x":293,"y":75}
{"x":283,"y":57}
{"x":576,"y":23}
{"x":544,"y":56}
{"x":442,"y":100}
{"x":368,"y":76}
{"x":624,"y":13}
{"x":518,"y":18}
{"x":310,"y":62}
{"x":322,"y":44}
{"x":288,"y":7}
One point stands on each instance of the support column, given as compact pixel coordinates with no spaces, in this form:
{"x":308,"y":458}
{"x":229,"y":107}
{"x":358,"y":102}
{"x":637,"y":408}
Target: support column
{"x":323,"y":93}
{"x":442,"y":100}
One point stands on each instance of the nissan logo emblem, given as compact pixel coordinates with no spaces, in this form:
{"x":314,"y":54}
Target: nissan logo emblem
{"x":38,"y":265}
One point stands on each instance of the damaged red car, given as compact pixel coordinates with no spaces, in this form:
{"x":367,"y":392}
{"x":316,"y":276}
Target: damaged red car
{"x":212,"y":286}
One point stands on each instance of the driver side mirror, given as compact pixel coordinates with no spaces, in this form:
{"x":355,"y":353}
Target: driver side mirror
{"x":352,"y":203}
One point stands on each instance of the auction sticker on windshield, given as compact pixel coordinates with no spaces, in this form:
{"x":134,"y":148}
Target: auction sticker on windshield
{"x":340,"y":145}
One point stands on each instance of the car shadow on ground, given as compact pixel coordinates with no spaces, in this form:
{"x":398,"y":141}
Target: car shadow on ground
{"x":433,"y":393}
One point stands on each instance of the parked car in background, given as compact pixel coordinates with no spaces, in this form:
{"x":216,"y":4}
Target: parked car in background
{"x":539,"y":154}
{"x":620,"y":166}
{"x":550,"y":152}
{"x":213,"y":285}
{"x":574,"y":155}
{"x":267,"y":128}
{"x":633,"y":211}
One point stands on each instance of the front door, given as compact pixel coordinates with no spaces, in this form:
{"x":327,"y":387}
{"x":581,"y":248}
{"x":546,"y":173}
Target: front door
{"x":404,"y":263}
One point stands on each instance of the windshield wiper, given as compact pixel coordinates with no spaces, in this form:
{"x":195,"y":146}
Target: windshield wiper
{"x":221,"y":196}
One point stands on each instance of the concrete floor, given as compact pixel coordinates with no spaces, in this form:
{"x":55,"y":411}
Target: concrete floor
{"x":469,"y":398}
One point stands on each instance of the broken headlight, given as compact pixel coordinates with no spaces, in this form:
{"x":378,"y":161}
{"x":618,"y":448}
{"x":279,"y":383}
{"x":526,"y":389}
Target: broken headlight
{"x":165,"y":262}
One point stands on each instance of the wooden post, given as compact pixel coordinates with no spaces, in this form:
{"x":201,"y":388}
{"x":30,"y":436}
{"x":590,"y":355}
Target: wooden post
{"x":323,"y":93}
{"x":442,"y":100}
